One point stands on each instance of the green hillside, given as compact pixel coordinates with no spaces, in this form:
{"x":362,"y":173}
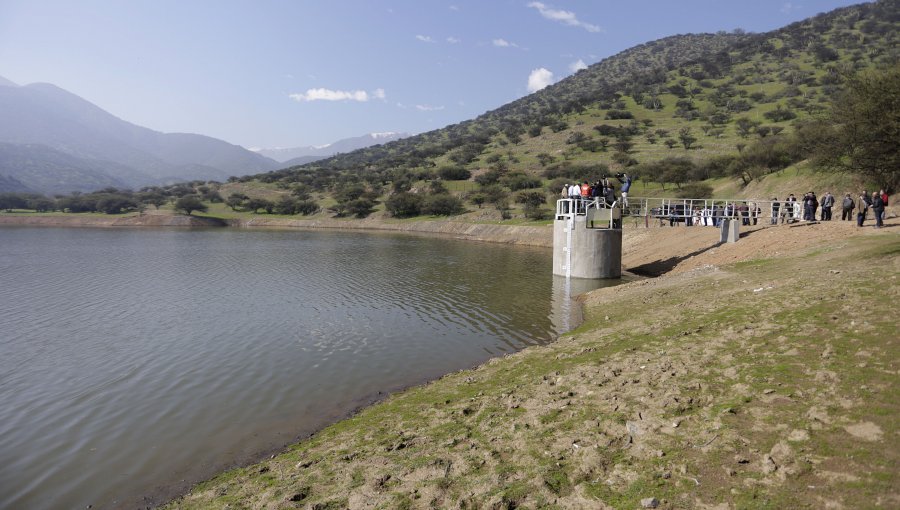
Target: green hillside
{"x":704,"y":99}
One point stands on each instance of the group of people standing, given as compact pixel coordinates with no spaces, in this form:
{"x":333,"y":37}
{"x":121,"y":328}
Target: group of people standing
{"x":876,"y":201}
{"x":790,"y":210}
{"x":599,"y":189}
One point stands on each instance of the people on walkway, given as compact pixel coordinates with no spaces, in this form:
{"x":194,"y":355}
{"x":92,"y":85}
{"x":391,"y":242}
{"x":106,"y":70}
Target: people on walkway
{"x":625,"y":179}
{"x":574,"y":191}
{"x":602,"y":194}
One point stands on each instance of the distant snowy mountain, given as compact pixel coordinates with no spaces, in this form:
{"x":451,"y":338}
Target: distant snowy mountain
{"x":300,"y":155}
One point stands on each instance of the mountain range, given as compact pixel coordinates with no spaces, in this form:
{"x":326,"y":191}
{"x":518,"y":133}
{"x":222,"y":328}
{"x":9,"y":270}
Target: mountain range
{"x":54,"y":141}
{"x":301,"y":155}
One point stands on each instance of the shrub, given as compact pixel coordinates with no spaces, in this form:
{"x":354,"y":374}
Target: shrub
{"x":442,"y":205}
{"x":532,"y":198}
{"x":41,"y":204}
{"x":535,"y":212}
{"x":454,"y":173}
{"x":488,"y":178}
{"x":360,"y":207}
{"x":255,"y":204}
{"x":307,"y":207}
{"x":10,"y":201}
{"x":404,"y":205}
{"x":518,"y":181}
{"x":619,"y":114}
{"x":576,"y":138}
{"x":116,"y":204}
{"x":695,"y":190}
{"x":780,"y":114}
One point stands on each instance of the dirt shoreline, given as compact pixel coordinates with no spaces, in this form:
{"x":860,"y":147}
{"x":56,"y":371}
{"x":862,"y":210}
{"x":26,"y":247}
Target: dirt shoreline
{"x":524,"y":235}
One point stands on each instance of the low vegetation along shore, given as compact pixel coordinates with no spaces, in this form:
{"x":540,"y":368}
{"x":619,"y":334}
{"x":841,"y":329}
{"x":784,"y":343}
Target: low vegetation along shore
{"x":761,"y":374}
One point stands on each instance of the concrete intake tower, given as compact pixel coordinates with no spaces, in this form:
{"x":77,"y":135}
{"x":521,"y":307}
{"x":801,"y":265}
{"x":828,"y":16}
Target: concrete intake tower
{"x":587,"y":239}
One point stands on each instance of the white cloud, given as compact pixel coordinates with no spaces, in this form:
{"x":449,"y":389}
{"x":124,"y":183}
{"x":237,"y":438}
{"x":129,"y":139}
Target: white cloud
{"x":454,"y":7}
{"x":564,"y":17}
{"x":452,"y":40}
{"x":428,"y":108}
{"x":790,"y":7}
{"x":503,"y":43}
{"x":323,"y":94}
{"x":578,"y":65}
{"x":538,"y":79}
{"x":425,"y":38}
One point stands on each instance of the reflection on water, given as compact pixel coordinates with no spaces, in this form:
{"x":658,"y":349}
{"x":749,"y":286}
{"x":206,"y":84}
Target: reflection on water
{"x":138,"y":361}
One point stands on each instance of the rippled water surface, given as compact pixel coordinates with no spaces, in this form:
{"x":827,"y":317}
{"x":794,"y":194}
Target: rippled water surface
{"x":134,"y":362}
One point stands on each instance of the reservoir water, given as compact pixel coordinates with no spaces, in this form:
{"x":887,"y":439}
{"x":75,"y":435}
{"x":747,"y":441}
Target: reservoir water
{"x":134,"y":363}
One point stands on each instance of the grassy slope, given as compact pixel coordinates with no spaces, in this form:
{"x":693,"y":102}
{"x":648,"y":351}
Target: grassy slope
{"x":693,"y":388}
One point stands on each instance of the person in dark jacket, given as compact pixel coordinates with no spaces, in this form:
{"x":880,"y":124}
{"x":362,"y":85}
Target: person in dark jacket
{"x":847,"y":208}
{"x":827,"y":203}
{"x":609,"y":194}
{"x":878,"y":209}
{"x":810,"y":204}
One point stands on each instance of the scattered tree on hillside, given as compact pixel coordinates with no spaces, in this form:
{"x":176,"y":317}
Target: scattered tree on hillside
{"x":10,"y":201}
{"x":545,"y":159}
{"x":189,"y":204}
{"x":404,"y":205}
{"x":687,"y":139}
{"x":235,"y":200}
{"x":866,"y":117}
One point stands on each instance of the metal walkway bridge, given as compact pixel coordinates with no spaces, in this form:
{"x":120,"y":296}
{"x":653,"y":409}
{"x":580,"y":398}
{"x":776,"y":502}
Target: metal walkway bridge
{"x":685,"y":211}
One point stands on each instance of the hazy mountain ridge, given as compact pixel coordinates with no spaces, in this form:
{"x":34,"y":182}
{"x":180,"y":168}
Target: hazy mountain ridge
{"x":293,"y":155}
{"x":38,"y":167}
{"x":45,"y":116}
{"x":12,"y":185}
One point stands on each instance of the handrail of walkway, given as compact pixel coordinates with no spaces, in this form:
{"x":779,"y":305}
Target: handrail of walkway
{"x":598,"y":214}
{"x":689,"y":211}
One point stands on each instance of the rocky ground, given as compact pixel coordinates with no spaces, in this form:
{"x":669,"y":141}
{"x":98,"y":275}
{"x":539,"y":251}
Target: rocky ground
{"x":760,"y":374}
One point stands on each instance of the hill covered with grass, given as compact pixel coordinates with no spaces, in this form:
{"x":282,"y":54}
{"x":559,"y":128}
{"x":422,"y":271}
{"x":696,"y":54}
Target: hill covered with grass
{"x":702,"y":98}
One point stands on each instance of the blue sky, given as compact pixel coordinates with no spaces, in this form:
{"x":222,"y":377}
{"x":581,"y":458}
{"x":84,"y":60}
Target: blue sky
{"x":290,"y":73}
